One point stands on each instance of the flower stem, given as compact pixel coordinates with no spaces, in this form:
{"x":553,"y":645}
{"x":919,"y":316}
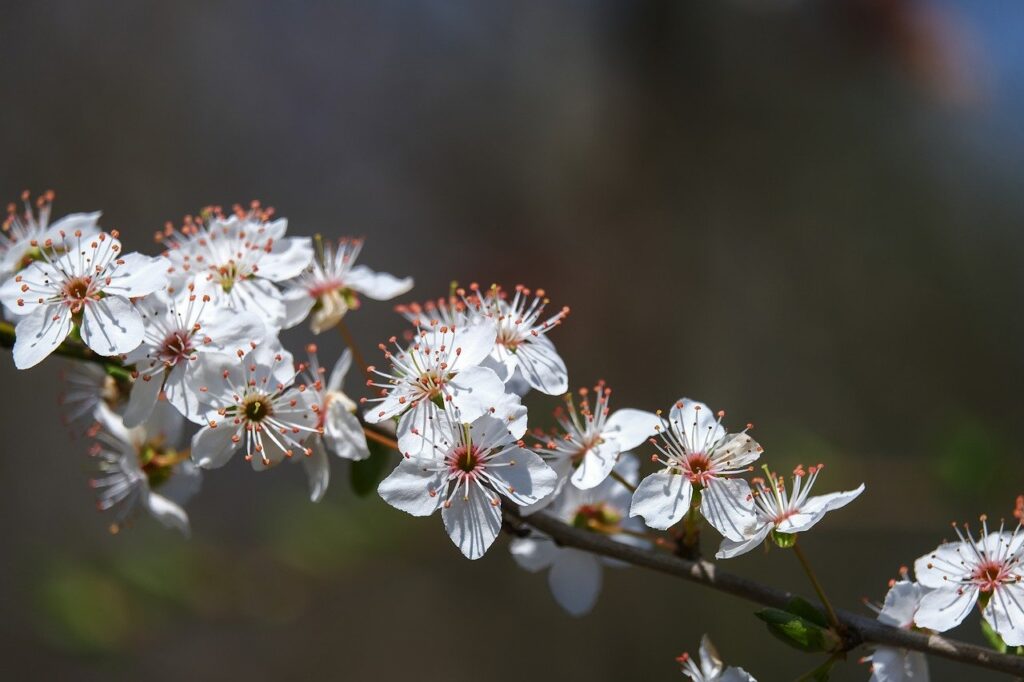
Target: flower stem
{"x":381,"y":438}
{"x":830,"y":612}
{"x":350,"y":341}
{"x":626,"y":484}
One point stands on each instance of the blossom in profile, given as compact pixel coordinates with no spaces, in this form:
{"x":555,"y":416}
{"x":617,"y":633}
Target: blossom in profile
{"x":986,"y":571}
{"x":253,"y":406}
{"x":331,"y":286}
{"x":697,"y":453}
{"x":88,"y":287}
{"x":469,"y":469}
{"x":782,"y":513}
{"x":144,"y":468}
{"x":575,"y":576}
{"x":24,"y":233}
{"x":892,"y":664}
{"x":238,"y":259}
{"x":709,"y":667}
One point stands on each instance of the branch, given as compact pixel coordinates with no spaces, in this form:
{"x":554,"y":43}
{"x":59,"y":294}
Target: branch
{"x":859,"y":629}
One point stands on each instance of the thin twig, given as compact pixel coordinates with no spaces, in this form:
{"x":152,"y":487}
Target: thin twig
{"x":350,"y":341}
{"x":618,"y":477}
{"x":833,"y":619}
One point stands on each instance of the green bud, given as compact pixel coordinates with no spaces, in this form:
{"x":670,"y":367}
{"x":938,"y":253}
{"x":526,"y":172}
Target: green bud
{"x":783,"y":540}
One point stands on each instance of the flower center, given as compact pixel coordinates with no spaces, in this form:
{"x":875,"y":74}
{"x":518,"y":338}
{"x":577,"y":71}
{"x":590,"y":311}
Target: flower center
{"x":466,"y":460}
{"x":597,"y":517}
{"x":228,"y":275}
{"x":698,"y":466}
{"x":989,"y":575}
{"x":176,"y":347}
{"x":256,"y":408}
{"x":77,"y":291}
{"x":158,"y":462}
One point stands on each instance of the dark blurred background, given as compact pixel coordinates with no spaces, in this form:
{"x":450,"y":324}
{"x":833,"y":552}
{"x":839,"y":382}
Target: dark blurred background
{"x":806,"y":213}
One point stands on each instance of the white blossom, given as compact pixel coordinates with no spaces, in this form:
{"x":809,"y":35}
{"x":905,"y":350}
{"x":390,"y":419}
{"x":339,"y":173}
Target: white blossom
{"x":574,"y":575}
{"x":891,"y":664}
{"x":331,"y":287}
{"x":89,"y":286}
{"x":84,"y":386}
{"x":143,"y":468}
{"x":470,"y":468}
{"x":710,"y":668}
{"x":23,"y":234}
{"x":774,"y":510}
{"x":962,"y":573}
{"x":696,"y":450}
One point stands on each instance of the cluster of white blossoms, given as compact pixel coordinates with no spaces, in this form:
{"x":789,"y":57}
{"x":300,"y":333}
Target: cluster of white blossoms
{"x":180,"y":366}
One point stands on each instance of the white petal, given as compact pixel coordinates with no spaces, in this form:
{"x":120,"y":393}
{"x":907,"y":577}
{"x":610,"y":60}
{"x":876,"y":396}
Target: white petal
{"x":260,"y":297}
{"x":475,"y":391}
{"x":475,"y":341}
{"x":889,"y":664}
{"x":732,"y":548}
{"x":815,"y":508}
{"x":287,"y":259}
{"x":37,"y":335}
{"x":143,"y":397}
{"x":318,"y":470}
{"x":168,"y":513}
{"x":229,"y":330}
{"x":377,"y":285}
{"x":631,"y":427}
{"x":697,"y":422}
{"x":946,"y":607}
{"x":212,"y":447}
{"x":297,"y":304}
{"x":662,"y":499}
{"x":1005,"y":613}
{"x":596,"y":464}
{"x":901,"y":603}
{"x":473,"y":521}
{"x":341,"y":367}
{"x":727,"y":505}
{"x":408,"y":488}
{"x":111,"y":326}
{"x":343,"y":434}
{"x":534,"y":553}
{"x":183,"y":386}
{"x":737,"y":451}
{"x":420,"y":430}
{"x":575,"y":580}
{"x":512,"y":412}
{"x":739,"y":675}
{"x":82,"y":222}
{"x":542,"y":366}
{"x":710,"y":661}
{"x":37,"y":272}
{"x":137,"y":275}
{"x":529,"y":478}
{"x":948,"y":562}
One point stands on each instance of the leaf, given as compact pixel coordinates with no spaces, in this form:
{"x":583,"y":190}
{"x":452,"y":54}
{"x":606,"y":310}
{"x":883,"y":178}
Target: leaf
{"x":806,"y":610}
{"x":992,"y":637}
{"x":820,"y":674}
{"x":367,"y":473}
{"x":798,"y":632}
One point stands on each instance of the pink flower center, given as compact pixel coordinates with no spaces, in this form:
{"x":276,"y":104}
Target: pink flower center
{"x":698,"y":468}
{"x":77,"y":291}
{"x":463,"y":460}
{"x":176,"y":347}
{"x":990,"y":575}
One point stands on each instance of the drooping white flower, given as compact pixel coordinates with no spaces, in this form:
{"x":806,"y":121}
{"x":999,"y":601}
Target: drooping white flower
{"x":332,"y":287}
{"x":143,"y":467}
{"x":471,"y":467}
{"x":23,"y":234}
{"x":710,"y":668}
{"x":696,"y":450}
{"x":84,"y":385}
{"x":253,"y":406}
{"x":774,"y":510}
{"x":574,"y":576}
{"x":439,"y":370}
{"x":593,"y":437}
{"x":179,"y":331}
{"x":89,"y":285}
{"x":340,"y":431}
{"x":238,"y":259}
{"x":891,"y":664}
{"x":962,"y":573}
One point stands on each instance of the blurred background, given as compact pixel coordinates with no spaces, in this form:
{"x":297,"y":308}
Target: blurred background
{"x":806,"y":213}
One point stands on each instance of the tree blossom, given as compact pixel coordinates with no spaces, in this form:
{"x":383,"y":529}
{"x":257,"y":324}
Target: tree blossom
{"x":22,"y":235}
{"x":574,"y":576}
{"x":440,"y":370}
{"x":891,"y":664}
{"x":696,"y":450}
{"x":180,"y":330}
{"x":143,"y":467}
{"x":961,"y":574}
{"x":711,"y":668}
{"x":781,"y":513}
{"x":593,"y":437}
{"x":84,"y":386}
{"x":252,"y":405}
{"x":237,"y":260}
{"x":339,"y":432}
{"x":88,"y":286}
{"x":472,"y":466}
{"x":331,"y":287}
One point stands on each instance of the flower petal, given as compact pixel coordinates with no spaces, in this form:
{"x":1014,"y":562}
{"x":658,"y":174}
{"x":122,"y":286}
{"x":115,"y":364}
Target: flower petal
{"x":408,"y":488}
{"x":136,"y":275}
{"x":288,"y":258}
{"x":662,"y":499}
{"x":343,"y":434}
{"x":630,"y":427}
{"x":37,"y":335}
{"x":111,"y":326}
{"x":946,"y":607}
{"x":597,"y":463}
{"x":815,"y":508}
{"x":318,"y":470}
{"x":472,"y":520}
{"x":542,"y":366}
{"x":341,"y":367}
{"x":534,"y":553}
{"x":948,"y":563}
{"x":379,"y":286}
{"x":528,"y":478}
{"x":212,"y":447}
{"x":575,"y":581}
{"x":475,"y":391}
{"x":696,"y":422}
{"x":732,"y":548}
{"x":727,"y":505}
{"x":143,"y":397}
{"x":168,"y":513}
{"x":1005,"y":613}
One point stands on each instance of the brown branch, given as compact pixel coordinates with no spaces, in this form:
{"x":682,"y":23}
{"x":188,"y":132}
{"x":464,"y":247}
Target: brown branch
{"x":859,"y":629}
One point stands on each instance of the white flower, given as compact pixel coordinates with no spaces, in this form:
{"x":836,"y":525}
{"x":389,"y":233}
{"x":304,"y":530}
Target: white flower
{"x":780,"y":513}
{"x":238,"y":259}
{"x":179,"y":332}
{"x":890,"y":664}
{"x":22,"y":235}
{"x":472,"y":466}
{"x":332,"y":287}
{"x":254,"y":407}
{"x":340,"y":431}
{"x":85,"y":386}
{"x":574,"y":576}
{"x":90,"y":285}
{"x":961,"y":573}
{"x":711,"y":668}
{"x":440,"y":370}
{"x":695,"y":450}
{"x":133,"y":464}
{"x":592,"y":438}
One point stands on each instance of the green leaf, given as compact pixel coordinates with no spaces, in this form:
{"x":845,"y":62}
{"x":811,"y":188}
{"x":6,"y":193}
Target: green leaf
{"x":798,"y":632}
{"x":820,"y":674}
{"x":806,"y":610}
{"x":367,"y":473}
{"x":992,"y":637}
